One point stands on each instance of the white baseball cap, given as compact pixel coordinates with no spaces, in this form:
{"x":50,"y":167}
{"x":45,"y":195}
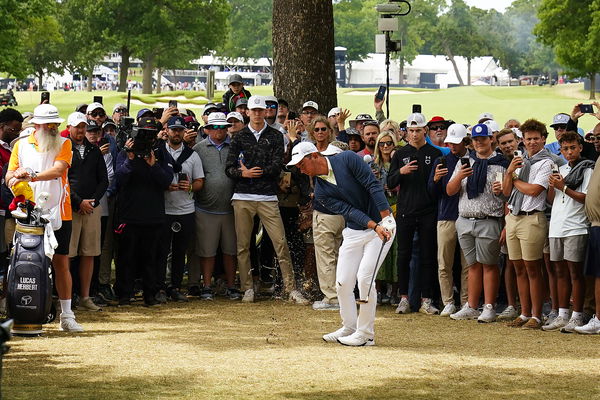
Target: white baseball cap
{"x":76,"y":118}
{"x":272,"y":99}
{"x":333,"y":112}
{"x":493,"y":125}
{"x":94,"y":106}
{"x":235,"y":115}
{"x":217,"y":118}
{"x":312,"y":104}
{"x":485,"y":115}
{"x":456,"y":134}
{"x":416,"y":120}
{"x":300,"y":151}
{"x":119,"y":106}
{"x":46,"y":114}
{"x":560,"y":119}
{"x":256,"y":102}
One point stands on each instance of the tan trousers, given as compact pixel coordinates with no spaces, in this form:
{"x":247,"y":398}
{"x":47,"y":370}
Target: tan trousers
{"x":268,"y":212}
{"x":447,"y":239}
{"x":327,"y":235}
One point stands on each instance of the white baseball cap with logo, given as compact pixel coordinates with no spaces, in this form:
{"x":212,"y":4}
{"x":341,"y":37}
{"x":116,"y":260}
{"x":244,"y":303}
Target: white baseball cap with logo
{"x":312,"y":104}
{"x":217,"y":118}
{"x":560,"y":119}
{"x":416,"y":120}
{"x":333,"y":112}
{"x":94,"y":106}
{"x":456,"y":134}
{"x":493,"y":125}
{"x":256,"y":102}
{"x":300,"y":151}
{"x":485,"y":116}
{"x":46,"y":114}
{"x":235,"y":115}
{"x":76,"y":118}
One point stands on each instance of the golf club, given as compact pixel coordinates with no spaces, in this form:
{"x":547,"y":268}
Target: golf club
{"x":365,"y":301}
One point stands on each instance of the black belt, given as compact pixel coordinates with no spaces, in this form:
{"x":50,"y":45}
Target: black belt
{"x":529,"y":212}
{"x":480,"y":218}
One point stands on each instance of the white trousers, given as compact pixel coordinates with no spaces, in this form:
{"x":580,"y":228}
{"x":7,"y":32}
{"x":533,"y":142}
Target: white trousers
{"x":356,"y":262}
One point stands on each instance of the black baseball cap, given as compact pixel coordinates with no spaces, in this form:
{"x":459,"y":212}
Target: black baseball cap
{"x":92,"y":125}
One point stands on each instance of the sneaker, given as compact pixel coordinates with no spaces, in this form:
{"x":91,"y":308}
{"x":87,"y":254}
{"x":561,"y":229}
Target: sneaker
{"x":160,"y":297}
{"x":403,"y":306}
{"x":509,"y":314}
{"x":532,"y":324}
{"x":334,"y":336}
{"x":465,"y":313}
{"x":356,"y":339}
{"x":394,"y":301}
{"x":574,"y":322}
{"x":248,"y":296}
{"x":555,"y":325}
{"x":99,"y":301}
{"x":428,"y":308}
{"x":207,"y":294}
{"x":449,"y":308}
{"x":325,"y":305}
{"x":68,"y":323}
{"x":552,"y":315}
{"x":517,"y":322}
{"x":105,"y":292}
{"x":488,"y":314}
{"x":194,"y":291}
{"x":87,"y":304}
{"x":591,"y":328}
{"x":297,"y":297}
{"x":124,"y":301}
{"x":176,"y":295}
{"x":233,"y":294}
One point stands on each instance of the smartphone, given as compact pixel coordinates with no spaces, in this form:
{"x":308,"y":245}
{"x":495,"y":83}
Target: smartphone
{"x":102,"y":141}
{"x":443,"y":163}
{"x":45,"y":98}
{"x":416,"y":108}
{"x":98,"y":99}
{"x":413,"y":158}
{"x":554,"y":168}
{"x":586,"y":108}
{"x":182,"y":176}
{"x":465,"y":162}
{"x":381,"y":93}
{"x":158,"y":112}
{"x":518,"y":153}
{"x":173,"y":103}
{"x":499,"y":176}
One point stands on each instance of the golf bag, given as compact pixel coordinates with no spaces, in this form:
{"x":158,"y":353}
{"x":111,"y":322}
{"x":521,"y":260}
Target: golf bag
{"x":29,"y":294}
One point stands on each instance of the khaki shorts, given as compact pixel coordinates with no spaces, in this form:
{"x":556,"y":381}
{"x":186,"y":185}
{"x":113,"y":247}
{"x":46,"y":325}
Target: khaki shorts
{"x":570,"y":248}
{"x":85,"y":234}
{"x":526,"y":236}
{"x":212,"y":230}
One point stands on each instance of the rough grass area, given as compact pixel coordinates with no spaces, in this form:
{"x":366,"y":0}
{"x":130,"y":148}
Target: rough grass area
{"x":273,"y":350}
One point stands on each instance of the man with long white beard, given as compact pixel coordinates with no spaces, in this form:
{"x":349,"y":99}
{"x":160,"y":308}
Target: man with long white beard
{"x":42,"y":159}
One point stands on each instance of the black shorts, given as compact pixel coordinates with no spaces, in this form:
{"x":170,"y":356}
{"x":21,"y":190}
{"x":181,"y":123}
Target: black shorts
{"x":592,"y":262}
{"x":63,"y":237}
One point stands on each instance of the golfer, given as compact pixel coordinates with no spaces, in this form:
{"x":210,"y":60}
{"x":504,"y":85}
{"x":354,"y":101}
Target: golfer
{"x":346,"y":186}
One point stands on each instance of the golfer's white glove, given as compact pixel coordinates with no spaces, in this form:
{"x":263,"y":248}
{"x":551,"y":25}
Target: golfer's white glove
{"x":389,"y":223}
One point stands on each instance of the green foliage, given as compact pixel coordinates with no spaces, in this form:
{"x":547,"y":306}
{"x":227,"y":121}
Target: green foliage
{"x":249,"y":30}
{"x":43,"y":43}
{"x":355,"y":24}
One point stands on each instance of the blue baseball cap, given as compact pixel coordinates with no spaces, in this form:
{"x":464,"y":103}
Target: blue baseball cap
{"x":176,"y":122}
{"x":481,"y":130}
{"x":143,"y":111}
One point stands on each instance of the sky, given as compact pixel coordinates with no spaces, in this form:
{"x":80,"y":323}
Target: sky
{"x":499,"y":5}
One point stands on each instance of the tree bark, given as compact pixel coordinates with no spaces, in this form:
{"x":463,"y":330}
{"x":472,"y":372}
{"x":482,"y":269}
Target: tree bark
{"x":125,"y":53}
{"x":303,"y":53}
{"x":40,"y":75}
{"x":468,"y":72}
{"x":147,"y":74}
{"x":401,"y":63}
{"x":453,"y":61}
{"x":593,"y":86}
{"x":159,"y":81}
{"x":90,"y":79}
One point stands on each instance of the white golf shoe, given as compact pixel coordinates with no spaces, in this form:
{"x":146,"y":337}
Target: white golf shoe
{"x":356,"y":339}
{"x":334,"y":336}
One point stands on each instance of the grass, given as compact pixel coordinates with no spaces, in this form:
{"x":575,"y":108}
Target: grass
{"x":273,"y":350}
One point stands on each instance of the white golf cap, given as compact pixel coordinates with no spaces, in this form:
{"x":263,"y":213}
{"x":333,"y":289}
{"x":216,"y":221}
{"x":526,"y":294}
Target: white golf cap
{"x":46,"y":114}
{"x":331,"y":150}
{"x":76,"y":118}
{"x":485,"y":115}
{"x":235,"y":115}
{"x":311,"y":104}
{"x":333,"y":112}
{"x":456,"y":134}
{"x":517,"y":132}
{"x":94,"y":106}
{"x":560,"y":119}
{"x":119,"y":106}
{"x":271,"y":99}
{"x":416,"y":120}
{"x":300,"y":151}
{"x":217,"y":118}
{"x":493,"y":125}
{"x":256,"y":102}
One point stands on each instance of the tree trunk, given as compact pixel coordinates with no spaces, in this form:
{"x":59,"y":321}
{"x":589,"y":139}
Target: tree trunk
{"x":125,"y":53}
{"x":147,"y":74}
{"x":40,"y":75}
{"x":90,"y":79}
{"x":401,"y":63}
{"x":349,"y":73}
{"x":159,"y":80}
{"x":304,"y":69}
{"x":453,"y":61}
{"x":468,"y":72}
{"x":593,"y":86}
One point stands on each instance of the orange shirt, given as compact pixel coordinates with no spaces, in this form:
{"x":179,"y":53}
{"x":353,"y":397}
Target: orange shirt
{"x":65,"y":154}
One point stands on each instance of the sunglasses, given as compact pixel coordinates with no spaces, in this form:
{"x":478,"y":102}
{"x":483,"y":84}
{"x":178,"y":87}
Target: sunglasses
{"x":593,"y":138}
{"x":386,"y":143}
{"x":98,"y":113}
{"x":216,"y":127}
{"x":324,"y":129}
{"x":121,"y":110}
{"x":273,"y":106}
{"x":560,"y":126}
{"x":438,"y":128}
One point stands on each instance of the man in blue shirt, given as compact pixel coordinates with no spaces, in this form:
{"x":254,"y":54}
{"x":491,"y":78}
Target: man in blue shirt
{"x":346,"y":186}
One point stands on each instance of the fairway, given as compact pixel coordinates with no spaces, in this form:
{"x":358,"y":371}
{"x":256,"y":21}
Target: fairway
{"x":273,"y":350}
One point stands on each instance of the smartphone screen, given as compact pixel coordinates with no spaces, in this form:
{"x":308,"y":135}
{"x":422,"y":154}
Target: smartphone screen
{"x":173,"y":103}
{"x":465,"y":162}
{"x":182,"y":176}
{"x":98,"y":99}
{"x":416,"y":108}
{"x":381,"y":93}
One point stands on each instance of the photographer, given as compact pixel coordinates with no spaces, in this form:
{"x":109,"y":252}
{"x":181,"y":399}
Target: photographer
{"x":188,"y":177}
{"x":141,"y":182}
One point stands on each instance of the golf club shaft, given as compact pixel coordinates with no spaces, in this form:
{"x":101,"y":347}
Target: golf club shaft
{"x":384,"y":241}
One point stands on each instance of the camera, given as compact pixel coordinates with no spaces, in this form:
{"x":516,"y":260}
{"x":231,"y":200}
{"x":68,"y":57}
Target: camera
{"x":144,"y":141}
{"x":124,"y":131}
{"x":193,"y":125}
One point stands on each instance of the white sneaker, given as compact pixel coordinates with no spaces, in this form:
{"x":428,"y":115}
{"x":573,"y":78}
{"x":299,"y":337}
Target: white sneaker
{"x":509,"y":314}
{"x":296,"y":297}
{"x":574,"y":322}
{"x":356,"y":339}
{"x":591,"y":328}
{"x":68,"y":323}
{"x":403,"y":306}
{"x":552,"y":315}
{"x":87,"y":304}
{"x":555,"y":325}
{"x":428,"y":308}
{"x":334,"y":336}
{"x":449,"y":308}
{"x":488,"y":314}
{"x":465,"y":313}
{"x":325,"y":305}
{"x":248,"y":296}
